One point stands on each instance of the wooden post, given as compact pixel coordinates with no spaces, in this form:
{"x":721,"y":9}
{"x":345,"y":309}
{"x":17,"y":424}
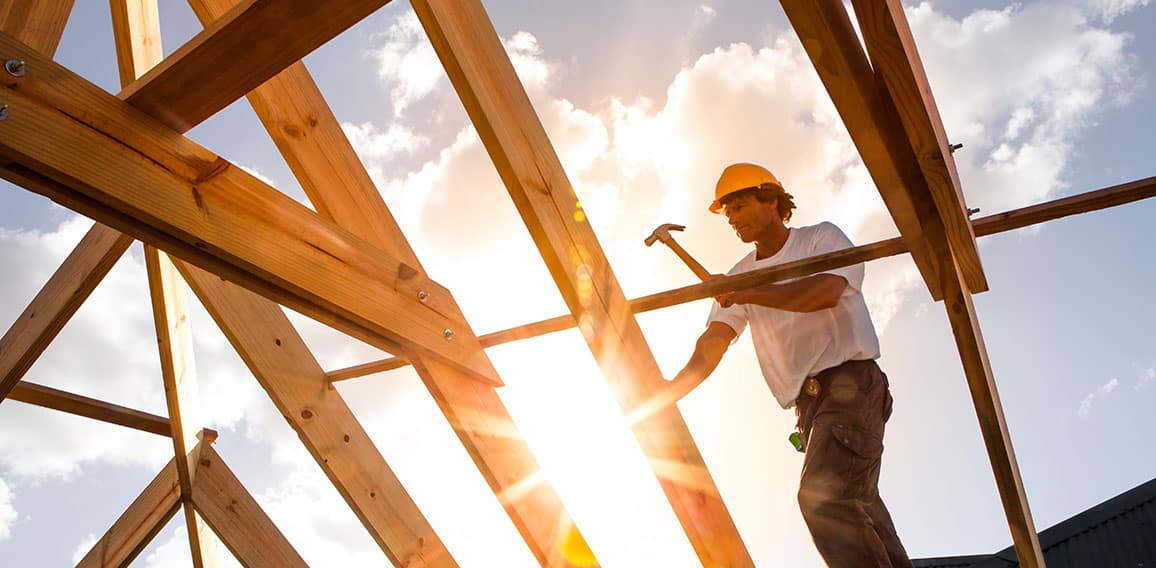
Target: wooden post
{"x":47,"y":397}
{"x":497,"y":104}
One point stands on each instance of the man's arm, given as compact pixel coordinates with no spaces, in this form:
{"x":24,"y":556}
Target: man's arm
{"x":708,"y":351}
{"x":810,"y":294}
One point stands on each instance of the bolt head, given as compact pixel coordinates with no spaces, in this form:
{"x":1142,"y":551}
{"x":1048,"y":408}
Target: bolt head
{"x":422,"y":296}
{"x":449,"y":334}
{"x":15,"y":67}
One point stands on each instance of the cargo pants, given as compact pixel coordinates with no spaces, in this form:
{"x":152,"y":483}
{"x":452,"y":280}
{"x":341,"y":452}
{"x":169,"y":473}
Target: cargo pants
{"x":841,"y":415}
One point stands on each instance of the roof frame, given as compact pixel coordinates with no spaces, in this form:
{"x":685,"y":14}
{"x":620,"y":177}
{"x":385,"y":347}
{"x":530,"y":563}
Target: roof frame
{"x":883,"y":96}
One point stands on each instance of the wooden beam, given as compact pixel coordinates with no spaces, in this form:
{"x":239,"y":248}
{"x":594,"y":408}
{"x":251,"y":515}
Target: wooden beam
{"x":251,"y":43}
{"x":174,"y":340}
{"x":137,"y":526}
{"x":984,"y":395}
{"x":36,"y":23}
{"x":825,"y":30}
{"x":136,"y":29}
{"x":314,"y":145}
{"x":990,"y":225}
{"x":895,"y":57}
{"x":137,"y":34}
{"x":233,"y":514}
{"x":57,"y":301}
{"x":48,"y":397}
{"x":272,"y":349}
{"x":93,"y":153}
{"x":485,"y":80}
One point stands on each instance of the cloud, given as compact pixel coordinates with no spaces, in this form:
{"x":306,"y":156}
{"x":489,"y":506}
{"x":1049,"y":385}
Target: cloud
{"x":106,"y":352}
{"x":8,"y":515}
{"x":83,"y":547}
{"x":408,"y":60}
{"x":1086,"y":404}
{"x":1109,"y":10}
{"x":1146,"y":377}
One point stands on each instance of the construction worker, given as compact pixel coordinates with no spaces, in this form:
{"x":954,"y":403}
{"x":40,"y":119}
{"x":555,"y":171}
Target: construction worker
{"x":817,"y":348}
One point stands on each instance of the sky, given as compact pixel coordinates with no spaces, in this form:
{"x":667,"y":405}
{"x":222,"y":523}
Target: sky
{"x":645,"y":107}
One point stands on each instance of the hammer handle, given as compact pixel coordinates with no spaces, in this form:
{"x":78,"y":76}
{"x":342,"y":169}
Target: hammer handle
{"x":689,"y":260}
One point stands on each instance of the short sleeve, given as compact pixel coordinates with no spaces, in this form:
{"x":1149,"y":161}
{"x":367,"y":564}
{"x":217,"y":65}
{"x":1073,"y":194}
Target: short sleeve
{"x":830,"y":238}
{"x":735,"y":317}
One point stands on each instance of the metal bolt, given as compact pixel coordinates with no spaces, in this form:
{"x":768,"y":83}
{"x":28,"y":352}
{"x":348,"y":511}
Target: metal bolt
{"x":3,"y":112}
{"x":422,"y":296}
{"x":954,"y":147}
{"x":972,"y":211}
{"x":449,"y":334}
{"x":14,"y":67}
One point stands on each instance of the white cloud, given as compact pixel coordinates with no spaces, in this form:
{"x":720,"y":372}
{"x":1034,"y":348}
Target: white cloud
{"x":408,"y":59}
{"x":8,"y":515}
{"x":1108,"y":10}
{"x":1147,"y":376}
{"x":1086,"y":404}
{"x":106,"y":352}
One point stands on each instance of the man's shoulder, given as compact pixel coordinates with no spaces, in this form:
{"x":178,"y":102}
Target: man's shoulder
{"x":744,"y":264}
{"x":821,"y":232}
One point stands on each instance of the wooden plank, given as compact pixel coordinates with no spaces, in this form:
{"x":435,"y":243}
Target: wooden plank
{"x":137,"y":526}
{"x":174,"y":340}
{"x":824,"y":28}
{"x":251,"y":43}
{"x":283,"y":365}
{"x":310,"y":138}
{"x":990,"y":225}
{"x":36,"y":23}
{"x":137,"y":34}
{"x":233,"y":514}
{"x":136,"y":29}
{"x":894,"y":57}
{"x":48,"y":397}
{"x":984,"y":395}
{"x":57,"y":301}
{"x":95,"y":154}
{"x":485,"y":80}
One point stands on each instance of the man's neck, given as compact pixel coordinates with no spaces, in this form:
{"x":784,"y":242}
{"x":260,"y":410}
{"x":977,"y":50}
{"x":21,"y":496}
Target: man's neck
{"x":771,"y":243}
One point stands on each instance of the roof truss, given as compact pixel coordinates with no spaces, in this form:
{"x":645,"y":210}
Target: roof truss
{"x":207,"y":217}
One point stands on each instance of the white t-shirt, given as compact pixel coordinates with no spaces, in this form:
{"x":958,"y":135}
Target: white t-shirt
{"x":792,"y":346}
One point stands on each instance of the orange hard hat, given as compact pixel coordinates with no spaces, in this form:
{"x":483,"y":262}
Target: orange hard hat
{"x":737,"y":177}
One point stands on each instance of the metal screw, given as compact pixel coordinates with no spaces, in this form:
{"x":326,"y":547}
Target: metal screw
{"x":3,"y":112}
{"x":954,"y":147}
{"x":14,"y":67}
{"x":422,"y":296}
{"x":449,"y":334}
{"x":972,"y":211}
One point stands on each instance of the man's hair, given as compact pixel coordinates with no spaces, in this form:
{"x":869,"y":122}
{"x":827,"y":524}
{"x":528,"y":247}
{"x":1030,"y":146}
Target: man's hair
{"x":764,"y":194}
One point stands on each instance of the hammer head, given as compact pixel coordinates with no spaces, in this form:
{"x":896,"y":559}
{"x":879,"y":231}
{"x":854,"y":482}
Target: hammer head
{"x":662,"y":233}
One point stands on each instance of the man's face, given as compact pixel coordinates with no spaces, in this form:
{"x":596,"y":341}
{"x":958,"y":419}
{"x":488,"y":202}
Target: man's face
{"x":751,"y":218}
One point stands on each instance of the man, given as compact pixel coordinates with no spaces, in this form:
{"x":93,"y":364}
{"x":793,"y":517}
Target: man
{"x":817,"y":349}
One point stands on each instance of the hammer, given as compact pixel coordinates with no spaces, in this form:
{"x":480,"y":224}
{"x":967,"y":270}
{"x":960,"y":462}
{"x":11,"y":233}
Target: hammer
{"x":662,"y":233}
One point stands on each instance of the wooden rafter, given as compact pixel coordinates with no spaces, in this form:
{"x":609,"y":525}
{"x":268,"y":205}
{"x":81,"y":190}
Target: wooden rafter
{"x":282,"y":363}
{"x":136,"y":29}
{"x":894,"y":57}
{"x":310,"y":138}
{"x":238,"y":52}
{"x":101,"y":157}
{"x":484,"y":78}
{"x":137,"y":526}
{"x":233,"y":513}
{"x":824,"y":28}
{"x":55,"y":399}
{"x":57,"y":301}
{"x":37,"y":23}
